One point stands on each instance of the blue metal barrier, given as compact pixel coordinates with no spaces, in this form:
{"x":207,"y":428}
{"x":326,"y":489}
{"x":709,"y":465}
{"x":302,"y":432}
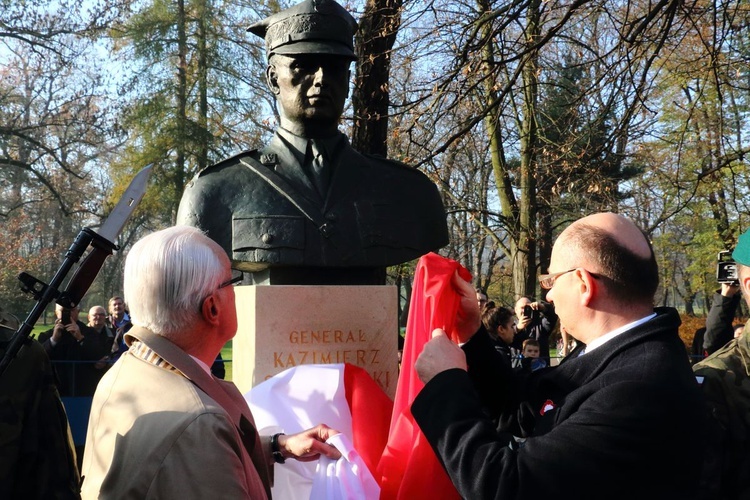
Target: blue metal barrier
{"x":78,"y":410}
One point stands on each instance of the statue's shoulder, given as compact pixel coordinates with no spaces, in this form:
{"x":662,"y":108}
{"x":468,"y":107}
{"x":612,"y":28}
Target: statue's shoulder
{"x":228,"y":163}
{"x":395,"y":166}
{"x":391,"y":172}
{"x":386,"y":162}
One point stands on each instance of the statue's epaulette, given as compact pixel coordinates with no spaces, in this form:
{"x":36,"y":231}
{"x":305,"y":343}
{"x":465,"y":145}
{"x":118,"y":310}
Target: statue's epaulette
{"x":226,"y":161}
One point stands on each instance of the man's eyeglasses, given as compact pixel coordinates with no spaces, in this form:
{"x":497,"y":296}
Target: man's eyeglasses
{"x":547,"y":281}
{"x":236,"y":278}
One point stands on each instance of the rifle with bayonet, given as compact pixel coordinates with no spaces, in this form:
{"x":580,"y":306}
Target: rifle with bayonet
{"x":102,"y":243}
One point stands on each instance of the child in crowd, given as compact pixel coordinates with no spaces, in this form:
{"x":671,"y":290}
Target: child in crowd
{"x":530,"y":360}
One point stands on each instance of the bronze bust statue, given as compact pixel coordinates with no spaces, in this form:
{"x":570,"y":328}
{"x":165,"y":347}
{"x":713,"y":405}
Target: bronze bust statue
{"x":307,"y":208}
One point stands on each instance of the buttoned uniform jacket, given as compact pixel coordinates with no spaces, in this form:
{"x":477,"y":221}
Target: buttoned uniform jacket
{"x":376,"y":212}
{"x":154,"y":433}
{"x":623,"y":421}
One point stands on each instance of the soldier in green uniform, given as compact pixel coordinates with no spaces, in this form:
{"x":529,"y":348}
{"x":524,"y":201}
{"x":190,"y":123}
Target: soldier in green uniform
{"x":37,"y":458}
{"x":725,"y":379}
{"x":307,"y":208}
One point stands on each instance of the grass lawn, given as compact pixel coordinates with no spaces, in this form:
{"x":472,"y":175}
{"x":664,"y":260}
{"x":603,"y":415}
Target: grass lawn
{"x":226,"y":355}
{"x":39,"y":328}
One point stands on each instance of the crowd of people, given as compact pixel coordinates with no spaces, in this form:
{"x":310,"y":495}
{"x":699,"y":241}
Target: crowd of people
{"x":82,"y":352}
{"x":521,"y":335}
{"x":622,"y":415}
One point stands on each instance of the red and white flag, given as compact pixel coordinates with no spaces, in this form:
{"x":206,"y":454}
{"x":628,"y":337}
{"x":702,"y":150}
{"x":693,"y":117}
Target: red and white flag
{"x":342,"y":396}
{"x":409,"y":468}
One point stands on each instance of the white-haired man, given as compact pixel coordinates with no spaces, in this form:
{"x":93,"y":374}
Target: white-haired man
{"x":161,"y":426}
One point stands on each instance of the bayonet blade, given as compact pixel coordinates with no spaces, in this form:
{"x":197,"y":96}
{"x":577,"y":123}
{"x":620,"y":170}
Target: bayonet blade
{"x":112,"y":227}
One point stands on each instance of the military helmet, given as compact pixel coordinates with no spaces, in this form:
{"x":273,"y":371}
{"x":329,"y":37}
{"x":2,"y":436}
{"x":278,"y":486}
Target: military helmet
{"x":310,"y":27}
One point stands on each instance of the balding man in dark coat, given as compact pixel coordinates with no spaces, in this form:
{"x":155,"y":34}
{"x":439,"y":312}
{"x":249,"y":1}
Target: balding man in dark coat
{"x":621,"y":417}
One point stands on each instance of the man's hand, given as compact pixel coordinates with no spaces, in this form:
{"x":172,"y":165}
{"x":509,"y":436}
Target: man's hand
{"x":729,"y":289}
{"x":438,"y":355}
{"x":523,"y":322}
{"x":75,"y":331}
{"x":468,"y":317}
{"x":58,"y":331}
{"x":102,"y":363}
{"x":308,"y":445}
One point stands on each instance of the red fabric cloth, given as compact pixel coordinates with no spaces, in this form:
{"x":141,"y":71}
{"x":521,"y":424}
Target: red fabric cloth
{"x":371,"y":409}
{"x":409,"y":468}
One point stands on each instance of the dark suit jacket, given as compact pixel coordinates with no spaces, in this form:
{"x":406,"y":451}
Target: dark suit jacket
{"x":74,"y":361}
{"x":491,"y":374}
{"x":623,"y":421}
{"x":377,"y":213}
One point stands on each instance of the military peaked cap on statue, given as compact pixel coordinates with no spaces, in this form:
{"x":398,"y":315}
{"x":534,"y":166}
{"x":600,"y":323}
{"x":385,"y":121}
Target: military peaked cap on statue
{"x":311,"y":27}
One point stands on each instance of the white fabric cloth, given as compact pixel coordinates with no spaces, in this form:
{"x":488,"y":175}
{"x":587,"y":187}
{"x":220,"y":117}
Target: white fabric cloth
{"x":344,"y":479}
{"x":300,"y":398}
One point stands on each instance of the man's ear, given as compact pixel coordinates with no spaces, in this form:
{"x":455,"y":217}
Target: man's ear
{"x":745,"y":286}
{"x":210,"y":310}
{"x":272,"y":79}
{"x":589,"y":288}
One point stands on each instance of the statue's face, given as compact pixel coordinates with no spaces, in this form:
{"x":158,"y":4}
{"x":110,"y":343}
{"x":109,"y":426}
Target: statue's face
{"x":310,"y":87}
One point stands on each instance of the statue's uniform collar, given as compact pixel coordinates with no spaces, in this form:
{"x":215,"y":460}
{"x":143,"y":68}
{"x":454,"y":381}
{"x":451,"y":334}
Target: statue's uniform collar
{"x":298,"y":144}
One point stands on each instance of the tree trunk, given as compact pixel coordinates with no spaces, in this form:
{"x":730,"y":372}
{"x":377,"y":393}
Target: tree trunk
{"x":524,"y":269}
{"x":375,"y":37}
{"x":204,"y":138}
{"x":178,"y":171}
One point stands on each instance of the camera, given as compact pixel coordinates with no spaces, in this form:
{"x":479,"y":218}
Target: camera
{"x":528,"y":311}
{"x":65,"y":316}
{"x":726,"y":268}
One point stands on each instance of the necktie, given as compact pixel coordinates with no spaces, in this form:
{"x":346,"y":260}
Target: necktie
{"x":320,"y":171}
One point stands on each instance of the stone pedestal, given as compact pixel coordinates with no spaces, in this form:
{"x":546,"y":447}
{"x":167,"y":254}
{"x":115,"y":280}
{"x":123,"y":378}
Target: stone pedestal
{"x":280,"y":326}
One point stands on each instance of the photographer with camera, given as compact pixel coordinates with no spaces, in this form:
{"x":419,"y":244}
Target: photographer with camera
{"x":719,"y":329}
{"x":536,"y":320}
{"x":64,"y":344}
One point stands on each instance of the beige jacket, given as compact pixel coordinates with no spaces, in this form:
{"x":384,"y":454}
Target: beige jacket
{"x":154,"y":433}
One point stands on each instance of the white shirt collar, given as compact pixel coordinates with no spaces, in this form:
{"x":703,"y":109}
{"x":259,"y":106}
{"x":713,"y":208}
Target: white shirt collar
{"x":203,"y":365}
{"x":599,"y":341}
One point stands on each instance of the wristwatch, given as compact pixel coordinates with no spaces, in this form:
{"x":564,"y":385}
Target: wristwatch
{"x":275,"y":451}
